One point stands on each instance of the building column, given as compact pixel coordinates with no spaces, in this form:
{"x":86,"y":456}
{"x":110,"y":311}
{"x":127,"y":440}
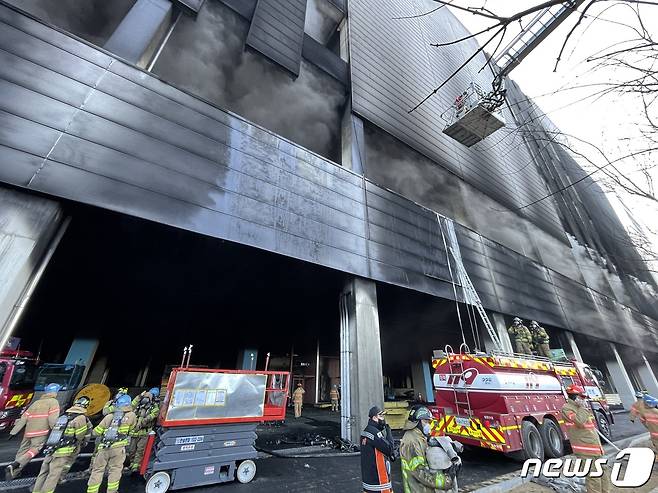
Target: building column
{"x":30,"y":230}
{"x":361,"y":372}
{"x":137,"y":37}
{"x":575,"y":352}
{"x":620,"y":378}
{"x":422,"y":380}
{"x":648,"y":377}
{"x":498,"y":322}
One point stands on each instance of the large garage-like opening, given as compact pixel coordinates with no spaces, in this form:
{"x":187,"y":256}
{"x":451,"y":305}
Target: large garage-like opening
{"x":144,"y":291}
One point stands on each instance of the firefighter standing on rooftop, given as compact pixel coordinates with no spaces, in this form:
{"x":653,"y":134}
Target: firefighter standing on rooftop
{"x":334,"y":395}
{"x":67,"y":438}
{"x":298,"y":400}
{"x":147,"y":409}
{"x":540,"y":340}
{"x":38,"y":420}
{"x":581,"y":430}
{"x":521,"y":337}
{"x":113,"y":432}
{"x":416,"y":475}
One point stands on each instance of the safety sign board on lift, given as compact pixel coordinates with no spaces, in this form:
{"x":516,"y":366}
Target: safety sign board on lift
{"x":192,"y":439}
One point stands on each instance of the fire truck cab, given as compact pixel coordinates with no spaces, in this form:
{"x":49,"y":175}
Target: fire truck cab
{"x":510,"y":403}
{"x":17,"y":376}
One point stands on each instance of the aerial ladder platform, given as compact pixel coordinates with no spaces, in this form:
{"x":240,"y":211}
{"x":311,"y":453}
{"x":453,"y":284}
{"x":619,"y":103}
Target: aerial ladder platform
{"x":475,"y":113}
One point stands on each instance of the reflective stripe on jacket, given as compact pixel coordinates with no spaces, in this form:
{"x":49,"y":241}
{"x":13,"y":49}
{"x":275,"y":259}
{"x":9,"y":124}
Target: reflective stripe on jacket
{"x":39,"y":418}
{"x":377,"y":447}
{"x":581,"y":430}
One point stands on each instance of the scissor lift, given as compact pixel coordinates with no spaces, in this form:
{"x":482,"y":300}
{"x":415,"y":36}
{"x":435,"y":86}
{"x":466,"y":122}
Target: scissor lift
{"x":207,"y":426}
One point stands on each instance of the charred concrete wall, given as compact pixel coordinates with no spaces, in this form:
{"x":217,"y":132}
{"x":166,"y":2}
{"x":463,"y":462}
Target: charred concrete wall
{"x":207,"y":57}
{"x":92,"y":20}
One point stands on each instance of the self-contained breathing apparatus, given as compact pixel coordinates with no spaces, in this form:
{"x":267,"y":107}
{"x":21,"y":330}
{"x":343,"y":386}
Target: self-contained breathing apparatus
{"x":57,"y":438}
{"x":112,"y":434}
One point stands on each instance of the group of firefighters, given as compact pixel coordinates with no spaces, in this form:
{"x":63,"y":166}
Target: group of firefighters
{"x":528,"y":339}
{"x":120,"y":437}
{"x":298,"y":399}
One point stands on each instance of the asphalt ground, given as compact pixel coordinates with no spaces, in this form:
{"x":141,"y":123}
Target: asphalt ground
{"x":310,"y":474}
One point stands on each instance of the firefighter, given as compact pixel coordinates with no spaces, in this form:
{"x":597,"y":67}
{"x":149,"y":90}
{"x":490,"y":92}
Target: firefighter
{"x":416,"y":475}
{"x":109,"y":405}
{"x":521,"y":336}
{"x":146,"y":409}
{"x":377,"y":452}
{"x":334,"y":395}
{"x":638,"y":408}
{"x":113,"y":433}
{"x":540,"y":340}
{"x":649,"y":419}
{"x":581,"y":430}
{"x":298,"y":400}
{"x":37,"y":420}
{"x":63,"y":445}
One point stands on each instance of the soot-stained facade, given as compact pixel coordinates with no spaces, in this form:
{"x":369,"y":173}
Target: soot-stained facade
{"x":284,"y":126}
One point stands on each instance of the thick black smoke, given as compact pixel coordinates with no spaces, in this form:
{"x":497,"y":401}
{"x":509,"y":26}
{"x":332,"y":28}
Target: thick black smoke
{"x":207,"y":57}
{"x":93,"y":20}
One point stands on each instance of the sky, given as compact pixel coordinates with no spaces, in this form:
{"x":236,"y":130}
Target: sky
{"x":611,"y":123}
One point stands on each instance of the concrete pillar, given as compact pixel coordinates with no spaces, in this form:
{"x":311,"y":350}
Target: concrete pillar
{"x":421,"y":377}
{"x":82,"y":352}
{"x":620,"y":377}
{"x":498,"y":322}
{"x":361,"y":372}
{"x":647,"y":376}
{"x":352,"y":141}
{"x":139,"y":33}
{"x":573,"y":347}
{"x":30,"y":229}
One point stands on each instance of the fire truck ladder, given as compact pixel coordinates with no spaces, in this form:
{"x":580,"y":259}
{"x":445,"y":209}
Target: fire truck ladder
{"x":470,"y":294}
{"x":459,"y":365}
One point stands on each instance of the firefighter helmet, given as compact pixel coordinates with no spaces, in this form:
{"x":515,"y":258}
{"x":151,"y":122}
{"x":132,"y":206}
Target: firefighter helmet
{"x":517,"y":320}
{"x":123,"y":401}
{"x":155,"y":392}
{"x":534,"y":324}
{"x":83,"y":401}
{"x":639,"y":395}
{"x":419,"y":413}
{"x":52,"y":387}
{"x":575,"y":389}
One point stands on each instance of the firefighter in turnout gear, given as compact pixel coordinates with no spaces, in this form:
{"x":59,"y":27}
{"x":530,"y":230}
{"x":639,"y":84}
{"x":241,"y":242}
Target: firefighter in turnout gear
{"x":298,"y":400}
{"x":540,"y":340}
{"x":581,"y":430}
{"x":113,"y":433}
{"x":110,"y":405}
{"x":521,"y":337}
{"x":416,"y":475}
{"x":647,"y":415}
{"x":334,"y":395}
{"x":63,"y":445}
{"x":377,"y":452}
{"x":37,"y":420}
{"x":146,"y":409}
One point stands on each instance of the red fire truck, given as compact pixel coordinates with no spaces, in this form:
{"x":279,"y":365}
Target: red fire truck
{"x":17,"y":377}
{"x":510,"y":403}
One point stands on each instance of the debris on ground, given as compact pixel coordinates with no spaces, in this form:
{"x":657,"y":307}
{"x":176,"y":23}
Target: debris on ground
{"x":314,"y":440}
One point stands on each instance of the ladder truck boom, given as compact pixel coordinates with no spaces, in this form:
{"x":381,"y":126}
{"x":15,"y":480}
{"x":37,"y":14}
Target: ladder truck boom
{"x":474,"y":114}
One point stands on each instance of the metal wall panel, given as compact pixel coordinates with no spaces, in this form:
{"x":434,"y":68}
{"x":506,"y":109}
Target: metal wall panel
{"x":277,"y":31}
{"x":393,"y":68}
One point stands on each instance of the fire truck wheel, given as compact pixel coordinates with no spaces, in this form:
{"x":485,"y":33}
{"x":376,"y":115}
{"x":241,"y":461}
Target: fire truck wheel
{"x":552,"y":438}
{"x":533,"y":448}
{"x":603,"y":424}
{"x":158,"y":483}
{"x":246,"y":471}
